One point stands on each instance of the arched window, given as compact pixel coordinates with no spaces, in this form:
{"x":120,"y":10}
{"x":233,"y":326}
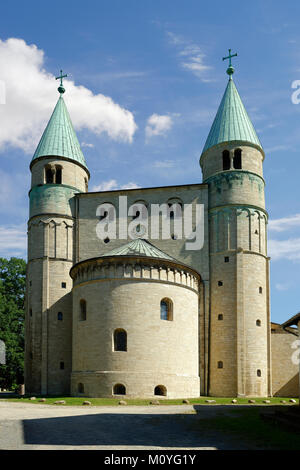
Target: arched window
{"x":58,"y":175}
{"x":119,"y":389}
{"x":226,"y":160}
{"x":80,"y":388}
{"x":258,"y":323}
{"x":166,"y":309}
{"x":120,"y":340}
{"x":82,"y":313}
{"x":49,"y":175}
{"x":160,"y":390}
{"x":220,"y":316}
{"x":220,"y":365}
{"x":59,"y":316}
{"x":237,"y":159}
{"x":258,"y":373}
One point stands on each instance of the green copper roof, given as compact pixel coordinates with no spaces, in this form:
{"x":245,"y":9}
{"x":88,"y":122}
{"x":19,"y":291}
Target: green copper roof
{"x":59,"y":138}
{"x":139,"y":247}
{"x":232,"y":121}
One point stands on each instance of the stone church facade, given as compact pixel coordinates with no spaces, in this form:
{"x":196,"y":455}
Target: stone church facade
{"x":140,"y":315}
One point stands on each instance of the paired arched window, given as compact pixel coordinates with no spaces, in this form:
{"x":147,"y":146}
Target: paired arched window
{"x":160,"y":390}
{"x":237,"y":159}
{"x":120,"y":340}
{"x":119,"y":389}
{"x":53,"y":174}
{"x":166,"y":309}
{"x":82,"y":310}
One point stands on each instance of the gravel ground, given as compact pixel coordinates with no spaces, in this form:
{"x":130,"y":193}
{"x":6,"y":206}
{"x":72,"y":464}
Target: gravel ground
{"x":34,"y":426}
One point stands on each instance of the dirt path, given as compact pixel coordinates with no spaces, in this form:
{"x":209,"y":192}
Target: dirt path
{"x":33,"y":426}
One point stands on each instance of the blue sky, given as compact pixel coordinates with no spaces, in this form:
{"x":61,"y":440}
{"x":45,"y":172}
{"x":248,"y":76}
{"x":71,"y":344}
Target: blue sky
{"x":154,"y":71}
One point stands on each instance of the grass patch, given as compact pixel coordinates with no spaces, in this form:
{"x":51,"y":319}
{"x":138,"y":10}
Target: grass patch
{"x":250,"y":427}
{"x":77,"y":401}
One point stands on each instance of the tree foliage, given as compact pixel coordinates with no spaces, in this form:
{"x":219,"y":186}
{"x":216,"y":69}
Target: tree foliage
{"x":12,"y":315}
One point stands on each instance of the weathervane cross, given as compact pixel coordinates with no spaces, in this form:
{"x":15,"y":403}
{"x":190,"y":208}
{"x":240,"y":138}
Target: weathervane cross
{"x":229,"y":57}
{"x":61,"y":76}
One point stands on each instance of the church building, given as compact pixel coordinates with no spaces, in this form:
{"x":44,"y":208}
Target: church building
{"x":115,"y":307}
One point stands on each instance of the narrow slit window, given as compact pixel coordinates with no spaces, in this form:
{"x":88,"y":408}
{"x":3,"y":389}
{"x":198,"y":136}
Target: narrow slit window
{"x":120,"y":340}
{"x":237,"y":159}
{"x":226,"y":160}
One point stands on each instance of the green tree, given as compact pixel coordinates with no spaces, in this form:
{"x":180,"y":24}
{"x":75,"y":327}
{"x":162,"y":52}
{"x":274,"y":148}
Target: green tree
{"x":12,"y":314}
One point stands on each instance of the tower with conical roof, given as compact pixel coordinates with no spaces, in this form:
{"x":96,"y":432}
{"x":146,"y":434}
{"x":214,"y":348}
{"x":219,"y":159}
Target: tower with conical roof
{"x":58,"y":171}
{"x":232,"y":166}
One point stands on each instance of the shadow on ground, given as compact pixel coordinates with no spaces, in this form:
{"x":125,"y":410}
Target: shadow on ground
{"x":182,"y":430}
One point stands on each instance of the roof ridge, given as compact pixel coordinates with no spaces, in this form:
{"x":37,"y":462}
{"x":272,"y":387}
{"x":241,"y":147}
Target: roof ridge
{"x":139,"y":247}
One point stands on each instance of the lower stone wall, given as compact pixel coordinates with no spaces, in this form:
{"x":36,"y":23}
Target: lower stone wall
{"x":285,"y":374}
{"x":138,"y":385}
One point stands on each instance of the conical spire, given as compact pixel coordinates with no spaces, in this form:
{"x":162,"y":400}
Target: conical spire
{"x":232,"y":121}
{"x":59,"y":138}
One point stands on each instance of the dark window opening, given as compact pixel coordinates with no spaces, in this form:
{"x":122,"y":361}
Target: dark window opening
{"x":80,"y":388}
{"x":237,"y":159}
{"x":258,"y":373}
{"x":49,"y":176}
{"x":220,"y":365}
{"x":220,"y":283}
{"x":226,"y":259}
{"x":226,"y":160}
{"x":260,"y":290}
{"x":220,"y":316}
{"x":119,"y":389}
{"x":64,"y":285}
{"x":82,"y":316}
{"x":58,"y":176}
{"x":160,"y":390}
{"x":61,"y":365}
{"x":106,"y":240}
{"x":166,"y":309}
{"x":258,"y":323}
{"x":59,"y":316}
{"x":120,"y":340}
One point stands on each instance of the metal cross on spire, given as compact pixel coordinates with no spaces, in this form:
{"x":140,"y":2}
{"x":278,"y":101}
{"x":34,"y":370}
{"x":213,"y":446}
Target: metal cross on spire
{"x":230,"y":69}
{"x":61,"y":87}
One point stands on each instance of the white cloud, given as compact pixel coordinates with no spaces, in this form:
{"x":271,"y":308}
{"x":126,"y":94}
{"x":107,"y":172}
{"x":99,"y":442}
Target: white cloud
{"x":112,"y":185}
{"x":164,"y":164}
{"x":283,"y":286}
{"x":31,"y":95}
{"x":285,"y":249}
{"x":158,"y":125}
{"x":13,"y":241}
{"x":285,"y":223}
{"x":86,"y":144}
{"x":191,"y":56}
